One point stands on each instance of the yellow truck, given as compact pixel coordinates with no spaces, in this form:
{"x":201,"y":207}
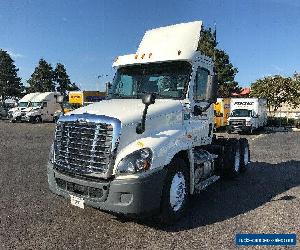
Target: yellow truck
{"x":85,"y":97}
{"x":222,"y":111}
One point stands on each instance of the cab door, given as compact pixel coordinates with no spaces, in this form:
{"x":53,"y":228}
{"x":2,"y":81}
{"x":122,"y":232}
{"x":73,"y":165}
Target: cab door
{"x":200,"y":125}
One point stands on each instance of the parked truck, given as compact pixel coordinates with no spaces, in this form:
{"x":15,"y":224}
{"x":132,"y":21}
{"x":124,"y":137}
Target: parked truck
{"x":150,"y":145}
{"x":42,"y":108}
{"x":247,"y":115}
{"x":15,"y":114}
{"x":222,"y":111}
{"x":78,"y":99}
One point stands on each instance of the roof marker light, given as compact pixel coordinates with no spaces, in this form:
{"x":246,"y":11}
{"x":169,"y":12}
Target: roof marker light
{"x":143,"y":56}
{"x":150,"y":55}
{"x":136,"y":57}
{"x":179,"y":52}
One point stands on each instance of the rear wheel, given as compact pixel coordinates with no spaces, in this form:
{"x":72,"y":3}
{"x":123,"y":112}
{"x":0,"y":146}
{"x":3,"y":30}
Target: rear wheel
{"x":175,"y":194}
{"x":232,"y":158}
{"x":245,"y":154}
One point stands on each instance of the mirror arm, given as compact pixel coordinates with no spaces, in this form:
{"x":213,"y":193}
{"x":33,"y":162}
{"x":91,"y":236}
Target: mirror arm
{"x":140,"y":128}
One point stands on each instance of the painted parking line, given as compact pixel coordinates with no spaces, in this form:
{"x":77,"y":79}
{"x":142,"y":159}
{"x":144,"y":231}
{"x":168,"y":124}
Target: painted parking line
{"x":258,"y":136}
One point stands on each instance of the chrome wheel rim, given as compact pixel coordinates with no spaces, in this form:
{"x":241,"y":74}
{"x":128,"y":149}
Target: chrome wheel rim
{"x":237,"y":161}
{"x":177,"y":191}
{"x":246,"y":156}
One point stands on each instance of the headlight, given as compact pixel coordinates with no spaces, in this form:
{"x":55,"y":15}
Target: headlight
{"x":248,"y":123}
{"x":138,"y":161}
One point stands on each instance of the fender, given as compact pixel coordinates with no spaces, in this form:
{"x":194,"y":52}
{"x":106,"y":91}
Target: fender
{"x":164,"y":145}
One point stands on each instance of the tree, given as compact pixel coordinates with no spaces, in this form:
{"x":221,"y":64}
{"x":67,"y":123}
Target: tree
{"x":42,"y":79}
{"x":62,"y":80}
{"x":295,"y":90}
{"x":10,"y":83}
{"x":225,"y":71}
{"x":276,"y":89}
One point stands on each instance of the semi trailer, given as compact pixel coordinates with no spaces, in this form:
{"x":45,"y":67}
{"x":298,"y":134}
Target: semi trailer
{"x":42,"y":108}
{"x":247,"y":115}
{"x":150,"y":145}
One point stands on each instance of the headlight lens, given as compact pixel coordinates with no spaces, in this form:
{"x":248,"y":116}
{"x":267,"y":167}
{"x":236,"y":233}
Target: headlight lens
{"x":138,"y":161}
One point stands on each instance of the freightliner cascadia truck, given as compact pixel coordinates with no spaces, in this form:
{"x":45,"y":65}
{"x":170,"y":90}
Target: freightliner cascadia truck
{"x":150,"y":145}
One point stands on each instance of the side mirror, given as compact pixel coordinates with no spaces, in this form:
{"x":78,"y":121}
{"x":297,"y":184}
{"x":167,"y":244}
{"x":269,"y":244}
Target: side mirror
{"x":197,"y":110}
{"x":212,"y":89}
{"x":149,"y":99}
{"x":60,"y":99}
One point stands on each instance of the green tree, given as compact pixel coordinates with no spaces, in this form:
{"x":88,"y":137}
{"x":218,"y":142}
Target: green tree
{"x":42,"y":79}
{"x":276,"y":89}
{"x":225,"y":71}
{"x":62,"y":80}
{"x":295,"y":90}
{"x":10,"y":83}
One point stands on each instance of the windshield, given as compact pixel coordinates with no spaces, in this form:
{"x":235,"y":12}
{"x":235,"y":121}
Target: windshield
{"x":23,"y":104}
{"x":241,"y":113}
{"x":35,"y":104}
{"x":167,"y":80}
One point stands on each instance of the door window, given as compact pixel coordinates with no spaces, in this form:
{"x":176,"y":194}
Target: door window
{"x":200,"y":84}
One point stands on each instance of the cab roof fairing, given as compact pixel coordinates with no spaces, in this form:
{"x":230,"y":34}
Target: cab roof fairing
{"x":171,"y":43}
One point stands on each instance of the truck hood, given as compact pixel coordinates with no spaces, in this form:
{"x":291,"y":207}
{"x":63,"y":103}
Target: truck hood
{"x":130,"y":110}
{"x":29,"y":109}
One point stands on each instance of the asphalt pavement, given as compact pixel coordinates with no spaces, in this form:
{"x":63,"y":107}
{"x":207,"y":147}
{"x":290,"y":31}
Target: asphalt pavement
{"x":265,"y":199}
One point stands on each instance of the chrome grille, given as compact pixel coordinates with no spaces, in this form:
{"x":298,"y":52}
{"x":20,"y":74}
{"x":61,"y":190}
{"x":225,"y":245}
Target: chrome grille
{"x":83,"y":147}
{"x":237,"y":122}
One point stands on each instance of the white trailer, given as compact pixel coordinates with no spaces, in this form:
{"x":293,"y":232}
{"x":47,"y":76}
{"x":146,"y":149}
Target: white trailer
{"x":247,"y":114}
{"x":150,"y":145}
{"x":42,"y":108}
{"x":15,"y":114}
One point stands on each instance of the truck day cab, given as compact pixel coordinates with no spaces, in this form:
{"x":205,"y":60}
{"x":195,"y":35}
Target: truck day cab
{"x":150,"y":145}
{"x":247,"y":115}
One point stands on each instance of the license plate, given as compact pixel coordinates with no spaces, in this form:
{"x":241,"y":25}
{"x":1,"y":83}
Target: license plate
{"x":77,"y":201}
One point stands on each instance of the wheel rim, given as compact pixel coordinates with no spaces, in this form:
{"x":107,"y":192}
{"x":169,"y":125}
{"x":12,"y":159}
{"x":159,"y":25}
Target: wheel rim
{"x":177,"y":191}
{"x":246,"y":156}
{"x":237,"y":161}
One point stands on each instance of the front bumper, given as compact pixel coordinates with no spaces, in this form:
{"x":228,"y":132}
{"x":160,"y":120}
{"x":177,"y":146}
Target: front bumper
{"x":239,"y":128}
{"x":127,"y":196}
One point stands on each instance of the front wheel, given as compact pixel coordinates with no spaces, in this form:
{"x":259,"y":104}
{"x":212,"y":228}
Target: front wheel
{"x":175,"y":194}
{"x":36,"y":119}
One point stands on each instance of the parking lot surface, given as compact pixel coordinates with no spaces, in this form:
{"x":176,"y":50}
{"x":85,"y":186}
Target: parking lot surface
{"x":266,"y":199}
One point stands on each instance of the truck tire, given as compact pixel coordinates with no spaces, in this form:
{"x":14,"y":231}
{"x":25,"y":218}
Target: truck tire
{"x":175,"y":195}
{"x":245,"y":154}
{"x":36,"y":119}
{"x":232,"y":158}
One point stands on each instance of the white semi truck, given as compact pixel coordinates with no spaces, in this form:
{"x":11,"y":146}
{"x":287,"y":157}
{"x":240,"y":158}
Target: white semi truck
{"x":42,"y":108}
{"x":247,"y":115}
{"x":150,"y":145}
{"x":15,"y":114}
